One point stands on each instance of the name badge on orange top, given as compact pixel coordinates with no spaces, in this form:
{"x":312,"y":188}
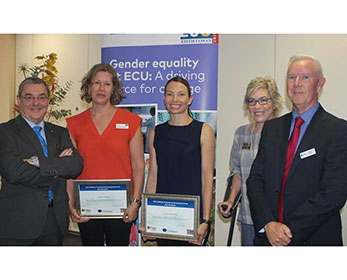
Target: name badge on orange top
{"x":122,"y":126}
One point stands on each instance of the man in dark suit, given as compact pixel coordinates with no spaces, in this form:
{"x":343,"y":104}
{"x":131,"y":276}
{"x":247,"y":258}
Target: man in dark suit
{"x":295,"y":198}
{"x":34,"y":167}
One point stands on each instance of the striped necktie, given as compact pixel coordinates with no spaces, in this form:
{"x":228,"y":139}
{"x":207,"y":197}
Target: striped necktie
{"x":37,"y":130}
{"x":43,"y":143}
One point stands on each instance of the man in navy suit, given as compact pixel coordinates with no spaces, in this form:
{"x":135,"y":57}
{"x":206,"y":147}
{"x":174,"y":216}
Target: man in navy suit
{"x":34,"y":167}
{"x":304,"y":208}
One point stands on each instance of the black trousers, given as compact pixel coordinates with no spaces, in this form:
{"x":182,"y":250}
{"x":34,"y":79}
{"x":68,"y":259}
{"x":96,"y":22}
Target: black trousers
{"x":51,"y":235}
{"x":97,"y":232}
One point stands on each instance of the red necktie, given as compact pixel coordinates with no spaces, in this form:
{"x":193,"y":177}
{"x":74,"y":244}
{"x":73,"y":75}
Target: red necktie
{"x":293,"y":141}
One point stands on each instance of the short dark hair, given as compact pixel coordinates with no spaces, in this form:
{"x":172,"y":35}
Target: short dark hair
{"x":116,"y":95}
{"x":32,"y":80}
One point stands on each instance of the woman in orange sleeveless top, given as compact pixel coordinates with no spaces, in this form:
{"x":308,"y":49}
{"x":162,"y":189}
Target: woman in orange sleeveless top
{"x":110,"y":142}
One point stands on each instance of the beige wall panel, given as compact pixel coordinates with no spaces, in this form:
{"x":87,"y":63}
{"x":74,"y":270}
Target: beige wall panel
{"x":241,"y":58}
{"x":7,"y":76}
{"x":94,"y":45}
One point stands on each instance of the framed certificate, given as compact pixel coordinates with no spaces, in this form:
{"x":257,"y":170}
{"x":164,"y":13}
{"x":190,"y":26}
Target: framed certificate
{"x":170,"y":216}
{"x":102,"y":198}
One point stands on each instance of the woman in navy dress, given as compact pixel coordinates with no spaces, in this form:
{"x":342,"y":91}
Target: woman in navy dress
{"x":182,"y":155}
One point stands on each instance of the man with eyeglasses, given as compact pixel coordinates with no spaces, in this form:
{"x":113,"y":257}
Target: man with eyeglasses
{"x":36,"y":158}
{"x":298,"y":181}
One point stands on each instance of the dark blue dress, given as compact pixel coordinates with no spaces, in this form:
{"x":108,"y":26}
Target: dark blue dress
{"x":178,"y":154}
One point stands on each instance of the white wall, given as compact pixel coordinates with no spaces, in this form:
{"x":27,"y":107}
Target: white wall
{"x":241,"y":58}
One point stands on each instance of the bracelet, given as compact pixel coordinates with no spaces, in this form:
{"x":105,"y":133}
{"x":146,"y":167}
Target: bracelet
{"x":203,"y":221}
{"x":138,"y":201}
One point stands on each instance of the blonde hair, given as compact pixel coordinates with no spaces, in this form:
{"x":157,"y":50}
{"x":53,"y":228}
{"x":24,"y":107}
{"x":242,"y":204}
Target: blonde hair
{"x":268,"y":84}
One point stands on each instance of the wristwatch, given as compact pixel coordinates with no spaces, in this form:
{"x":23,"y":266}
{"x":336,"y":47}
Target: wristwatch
{"x":203,"y":221}
{"x":138,"y":201}
{"x":34,"y":160}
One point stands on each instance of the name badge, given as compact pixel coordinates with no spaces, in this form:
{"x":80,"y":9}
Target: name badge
{"x":246,"y":146}
{"x":308,"y":153}
{"x":122,"y":126}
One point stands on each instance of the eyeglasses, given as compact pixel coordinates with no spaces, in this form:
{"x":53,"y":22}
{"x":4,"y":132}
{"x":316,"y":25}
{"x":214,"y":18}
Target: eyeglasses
{"x":31,"y":98}
{"x":261,"y":100}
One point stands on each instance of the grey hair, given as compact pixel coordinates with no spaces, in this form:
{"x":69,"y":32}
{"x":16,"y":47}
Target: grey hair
{"x":32,"y":80}
{"x":299,"y":57}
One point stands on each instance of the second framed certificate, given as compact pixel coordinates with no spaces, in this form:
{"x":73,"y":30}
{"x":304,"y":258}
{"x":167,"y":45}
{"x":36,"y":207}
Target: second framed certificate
{"x":170,"y":216}
{"x":102,"y":198}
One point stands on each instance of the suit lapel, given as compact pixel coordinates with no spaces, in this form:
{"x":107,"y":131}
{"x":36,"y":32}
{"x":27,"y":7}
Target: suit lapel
{"x":283,"y":134}
{"x":310,"y":137}
{"x":51,"y":139}
{"x":28,"y":135}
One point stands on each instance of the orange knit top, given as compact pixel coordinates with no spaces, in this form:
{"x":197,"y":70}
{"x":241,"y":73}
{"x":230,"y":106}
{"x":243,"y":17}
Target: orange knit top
{"x":105,"y":156}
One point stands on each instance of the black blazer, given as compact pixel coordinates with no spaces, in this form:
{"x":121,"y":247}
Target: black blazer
{"x":23,"y":194}
{"x":316,"y":186}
